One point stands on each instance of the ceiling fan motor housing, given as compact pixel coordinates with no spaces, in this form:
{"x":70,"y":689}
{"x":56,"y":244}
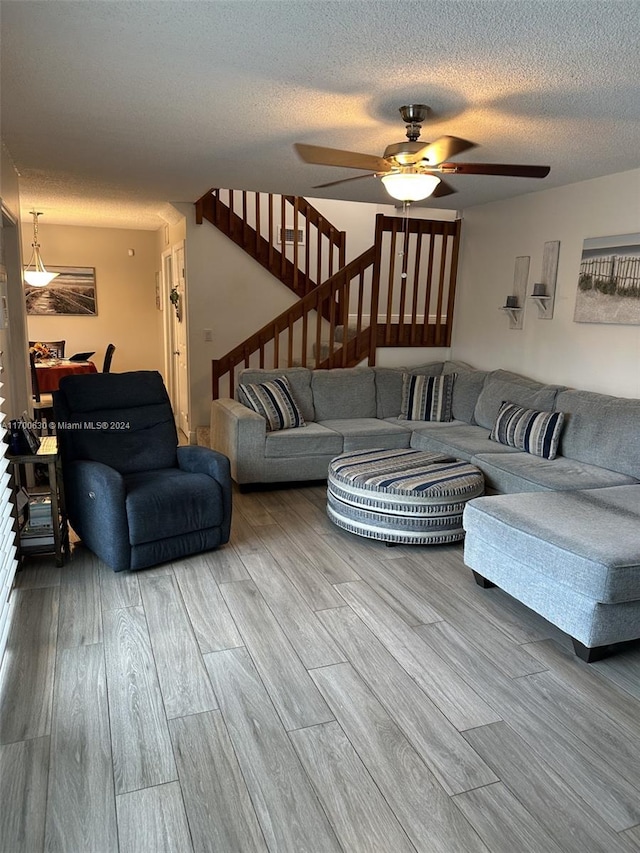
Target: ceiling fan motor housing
{"x":413,"y":115}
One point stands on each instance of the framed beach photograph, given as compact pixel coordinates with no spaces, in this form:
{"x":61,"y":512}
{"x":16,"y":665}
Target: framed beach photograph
{"x":609,"y":281}
{"x":72,"y":292}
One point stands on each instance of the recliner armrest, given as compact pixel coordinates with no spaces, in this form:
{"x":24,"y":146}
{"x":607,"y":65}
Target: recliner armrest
{"x":203,"y":460}
{"x":97,"y":510}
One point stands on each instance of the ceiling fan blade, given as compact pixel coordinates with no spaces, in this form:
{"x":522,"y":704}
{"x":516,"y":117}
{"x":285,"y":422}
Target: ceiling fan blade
{"x":510,"y":171}
{"x":343,"y":181}
{"x":443,"y":189}
{"x":335,"y":157}
{"x":441,"y":149}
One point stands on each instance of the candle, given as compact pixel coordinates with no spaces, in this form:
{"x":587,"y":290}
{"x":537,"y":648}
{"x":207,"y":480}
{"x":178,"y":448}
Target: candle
{"x":539,"y":289}
{"x":512,"y":302}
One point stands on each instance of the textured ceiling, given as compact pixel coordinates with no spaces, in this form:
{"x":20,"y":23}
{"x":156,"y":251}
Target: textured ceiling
{"x":111,"y":109}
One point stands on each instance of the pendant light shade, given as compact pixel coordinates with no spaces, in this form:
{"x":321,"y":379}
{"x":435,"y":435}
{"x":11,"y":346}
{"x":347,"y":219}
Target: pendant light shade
{"x":35,"y":273}
{"x":410,"y":186}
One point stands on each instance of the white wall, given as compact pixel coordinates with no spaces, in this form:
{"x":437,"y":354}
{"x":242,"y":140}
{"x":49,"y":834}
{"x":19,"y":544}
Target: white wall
{"x":358,"y":219}
{"x":125,"y":288}
{"x":603,"y":358}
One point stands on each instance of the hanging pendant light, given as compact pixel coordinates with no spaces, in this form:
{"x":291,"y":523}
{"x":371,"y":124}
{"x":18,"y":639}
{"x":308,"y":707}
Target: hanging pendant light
{"x":35,"y":273}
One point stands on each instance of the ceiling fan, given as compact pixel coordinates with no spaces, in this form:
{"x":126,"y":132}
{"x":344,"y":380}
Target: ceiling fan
{"x":410,"y":170}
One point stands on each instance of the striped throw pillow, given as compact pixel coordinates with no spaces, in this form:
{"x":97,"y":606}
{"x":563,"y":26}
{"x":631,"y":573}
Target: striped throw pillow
{"x":526,"y":429}
{"x":426,"y":398}
{"x":274,"y":401}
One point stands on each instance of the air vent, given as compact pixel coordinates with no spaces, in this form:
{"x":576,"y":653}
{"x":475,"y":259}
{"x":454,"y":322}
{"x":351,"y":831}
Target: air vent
{"x":288,"y":235}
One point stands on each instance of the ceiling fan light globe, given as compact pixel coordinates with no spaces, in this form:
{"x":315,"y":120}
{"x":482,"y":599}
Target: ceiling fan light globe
{"x":412,"y":186}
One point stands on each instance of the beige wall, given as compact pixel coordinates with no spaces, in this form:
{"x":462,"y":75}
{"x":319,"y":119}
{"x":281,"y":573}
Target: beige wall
{"x":603,"y":358}
{"x":127,"y":314}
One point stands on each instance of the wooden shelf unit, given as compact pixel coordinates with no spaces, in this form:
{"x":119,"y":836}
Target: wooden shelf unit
{"x":47,"y":454}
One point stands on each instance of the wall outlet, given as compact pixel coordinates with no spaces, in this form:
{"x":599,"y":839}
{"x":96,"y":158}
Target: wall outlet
{"x":208,"y":335}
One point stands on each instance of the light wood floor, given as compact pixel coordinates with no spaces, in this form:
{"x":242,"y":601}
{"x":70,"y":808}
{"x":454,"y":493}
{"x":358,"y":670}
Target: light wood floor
{"x":303,"y":689}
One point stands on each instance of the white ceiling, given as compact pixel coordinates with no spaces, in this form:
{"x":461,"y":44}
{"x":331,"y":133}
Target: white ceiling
{"x":112,"y":109}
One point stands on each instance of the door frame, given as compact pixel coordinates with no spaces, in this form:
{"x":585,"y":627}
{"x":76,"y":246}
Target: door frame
{"x":169,"y":275}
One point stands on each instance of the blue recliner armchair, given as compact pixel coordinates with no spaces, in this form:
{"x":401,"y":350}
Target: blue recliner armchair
{"x":133,"y":496}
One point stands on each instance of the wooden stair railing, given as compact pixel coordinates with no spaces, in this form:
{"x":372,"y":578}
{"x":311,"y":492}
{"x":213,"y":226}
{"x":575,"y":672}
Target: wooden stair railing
{"x":255,"y":221}
{"x":418,"y":266}
{"x":290,"y":337}
{"x":400,"y":292}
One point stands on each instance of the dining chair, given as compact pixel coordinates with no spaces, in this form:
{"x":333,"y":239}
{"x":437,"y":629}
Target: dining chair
{"x":106,"y":367}
{"x":42,"y":402}
{"x":56,"y":348}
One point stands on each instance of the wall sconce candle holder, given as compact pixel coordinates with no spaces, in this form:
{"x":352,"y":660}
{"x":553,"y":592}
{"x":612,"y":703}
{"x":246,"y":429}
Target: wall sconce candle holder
{"x":542,"y":299}
{"x":514,"y":311}
{"x":513,"y":306}
{"x":544,"y":291}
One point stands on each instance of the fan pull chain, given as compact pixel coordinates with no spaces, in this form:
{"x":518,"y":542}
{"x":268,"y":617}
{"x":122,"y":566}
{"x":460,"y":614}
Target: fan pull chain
{"x":405,"y":227}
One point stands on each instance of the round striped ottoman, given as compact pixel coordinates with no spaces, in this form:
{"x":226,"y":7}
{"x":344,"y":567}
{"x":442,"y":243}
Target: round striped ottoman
{"x":401,"y":496}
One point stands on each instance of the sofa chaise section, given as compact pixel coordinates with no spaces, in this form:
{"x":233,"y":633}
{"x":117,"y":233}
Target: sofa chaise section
{"x":572,"y":557}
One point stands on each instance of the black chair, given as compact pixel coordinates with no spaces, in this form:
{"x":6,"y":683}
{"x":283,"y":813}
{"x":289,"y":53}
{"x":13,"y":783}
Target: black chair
{"x":133,"y":496}
{"x":106,"y":366}
{"x":56,"y":348}
{"x":42,"y":403}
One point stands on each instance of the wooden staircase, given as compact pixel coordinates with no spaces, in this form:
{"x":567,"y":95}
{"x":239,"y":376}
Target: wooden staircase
{"x":398,"y":293}
{"x":256,"y":228}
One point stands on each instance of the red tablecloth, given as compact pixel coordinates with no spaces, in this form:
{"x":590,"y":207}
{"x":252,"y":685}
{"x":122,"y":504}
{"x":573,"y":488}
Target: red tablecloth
{"x":49,"y":375}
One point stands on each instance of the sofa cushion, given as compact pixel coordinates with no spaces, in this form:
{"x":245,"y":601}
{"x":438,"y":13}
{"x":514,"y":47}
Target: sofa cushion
{"x":426,"y":398}
{"x":346,"y":392}
{"x":521,"y":472}
{"x":388,"y":391}
{"x":534,"y":432}
{"x":466,"y":390}
{"x":389,"y":386}
{"x":461,"y":442}
{"x":456,"y":366}
{"x":501,"y":385}
{"x":299,"y":379}
{"x":310,"y":440}
{"x":364,"y":433}
{"x":585,"y":540}
{"x":601,"y":430}
{"x":430,"y":368}
{"x":274,"y":401}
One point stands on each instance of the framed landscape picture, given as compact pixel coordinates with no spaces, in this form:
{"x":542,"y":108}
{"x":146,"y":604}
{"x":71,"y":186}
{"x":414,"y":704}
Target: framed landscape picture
{"x":609,"y":281}
{"x":72,"y":292}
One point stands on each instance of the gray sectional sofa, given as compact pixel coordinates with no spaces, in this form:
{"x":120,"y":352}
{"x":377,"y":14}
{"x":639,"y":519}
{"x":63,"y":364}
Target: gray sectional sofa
{"x":561,"y":535}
